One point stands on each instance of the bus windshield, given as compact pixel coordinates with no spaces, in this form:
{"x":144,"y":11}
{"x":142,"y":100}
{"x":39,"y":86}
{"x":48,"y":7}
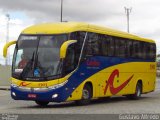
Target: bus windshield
{"x":37,"y":56}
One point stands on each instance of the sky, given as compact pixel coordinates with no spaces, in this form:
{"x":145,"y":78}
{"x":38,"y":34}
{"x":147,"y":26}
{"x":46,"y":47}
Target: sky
{"x":144,"y":16}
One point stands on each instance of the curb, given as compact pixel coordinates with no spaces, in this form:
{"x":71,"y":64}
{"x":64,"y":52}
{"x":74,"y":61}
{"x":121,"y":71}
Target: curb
{"x":5,"y":88}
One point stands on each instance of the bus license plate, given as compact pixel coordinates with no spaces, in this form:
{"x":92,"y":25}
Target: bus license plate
{"x":32,"y":95}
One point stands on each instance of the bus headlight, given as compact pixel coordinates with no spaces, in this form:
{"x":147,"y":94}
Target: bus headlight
{"x":54,"y":95}
{"x":58,"y":85}
{"x":13,"y":93}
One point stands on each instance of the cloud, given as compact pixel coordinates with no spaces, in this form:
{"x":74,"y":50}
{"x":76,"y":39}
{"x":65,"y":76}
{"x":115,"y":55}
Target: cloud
{"x":73,"y":10}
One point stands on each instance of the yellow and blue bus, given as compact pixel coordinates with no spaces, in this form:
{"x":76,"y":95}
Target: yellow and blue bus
{"x":72,"y":61}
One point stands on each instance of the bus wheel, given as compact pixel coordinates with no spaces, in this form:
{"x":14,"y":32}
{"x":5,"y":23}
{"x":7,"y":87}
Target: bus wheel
{"x":86,"y":95}
{"x":42,"y":103}
{"x":138,"y":92}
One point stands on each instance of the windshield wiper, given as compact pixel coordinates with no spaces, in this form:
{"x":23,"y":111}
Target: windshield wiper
{"x":28,"y":66}
{"x":37,"y":66}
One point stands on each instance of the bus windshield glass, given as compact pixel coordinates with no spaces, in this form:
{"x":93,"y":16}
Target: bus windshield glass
{"x":37,"y":56}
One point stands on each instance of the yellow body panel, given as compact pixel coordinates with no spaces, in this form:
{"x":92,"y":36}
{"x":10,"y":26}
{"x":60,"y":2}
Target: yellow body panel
{"x":68,"y":27}
{"x":145,"y":71}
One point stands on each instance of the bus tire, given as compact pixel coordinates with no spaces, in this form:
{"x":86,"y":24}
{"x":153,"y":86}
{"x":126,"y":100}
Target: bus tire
{"x":86,"y":95}
{"x":138,"y":92}
{"x":42,"y":103}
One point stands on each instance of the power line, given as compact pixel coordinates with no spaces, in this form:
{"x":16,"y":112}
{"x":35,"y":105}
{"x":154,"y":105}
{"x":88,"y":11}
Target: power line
{"x":128,"y":11}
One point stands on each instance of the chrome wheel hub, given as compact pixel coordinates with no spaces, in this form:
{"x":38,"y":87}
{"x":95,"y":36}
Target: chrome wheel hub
{"x":85,"y":94}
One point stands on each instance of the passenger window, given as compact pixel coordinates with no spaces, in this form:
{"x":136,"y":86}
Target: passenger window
{"x":111,"y":46}
{"x":104,"y":45}
{"x":142,"y":50}
{"x":79,"y":36}
{"x":70,"y":62}
{"x":136,"y":49}
{"x":128,"y":48}
{"x":152,"y":51}
{"x":147,"y":50}
{"x":92,"y":47}
{"x":120,"y":47}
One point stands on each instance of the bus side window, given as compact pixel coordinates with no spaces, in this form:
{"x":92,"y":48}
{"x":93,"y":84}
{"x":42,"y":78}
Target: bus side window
{"x":92,"y":46}
{"x":143,"y":50}
{"x":152,"y":52}
{"x":79,"y":36}
{"x":140,"y":50}
{"x":70,"y":63}
{"x":120,"y":47}
{"x":136,"y":49}
{"x":111,"y":46}
{"x":128,"y":48}
{"x":104,"y":45}
{"x":147,"y":48}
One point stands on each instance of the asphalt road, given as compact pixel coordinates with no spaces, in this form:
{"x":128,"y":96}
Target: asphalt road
{"x":149,"y":103}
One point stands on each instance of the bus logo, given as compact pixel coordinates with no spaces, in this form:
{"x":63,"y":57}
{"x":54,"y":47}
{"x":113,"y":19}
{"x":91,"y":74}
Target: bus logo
{"x":24,"y":84}
{"x":109,"y":83}
{"x":93,"y":63}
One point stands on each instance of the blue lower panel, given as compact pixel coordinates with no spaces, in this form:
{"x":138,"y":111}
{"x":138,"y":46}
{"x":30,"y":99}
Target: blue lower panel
{"x":40,"y":96}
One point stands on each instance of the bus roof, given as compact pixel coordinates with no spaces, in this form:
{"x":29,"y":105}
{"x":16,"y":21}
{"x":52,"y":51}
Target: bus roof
{"x":67,"y":27}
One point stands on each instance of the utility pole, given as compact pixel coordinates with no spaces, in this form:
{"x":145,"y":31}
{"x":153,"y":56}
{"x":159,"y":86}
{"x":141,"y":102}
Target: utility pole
{"x":7,"y":38}
{"x":61,"y":10}
{"x":128,"y":11}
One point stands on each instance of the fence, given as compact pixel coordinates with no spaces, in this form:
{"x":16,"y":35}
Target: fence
{"x":5,"y":73}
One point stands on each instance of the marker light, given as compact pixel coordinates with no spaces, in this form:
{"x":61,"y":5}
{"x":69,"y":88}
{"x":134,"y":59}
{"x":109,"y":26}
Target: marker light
{"x":13,"y":93}
{"x":54,"y":95}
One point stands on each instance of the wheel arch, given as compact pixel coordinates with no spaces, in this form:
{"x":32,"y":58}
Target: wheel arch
{"x":89,"y":83}
{"x":141,"y":83}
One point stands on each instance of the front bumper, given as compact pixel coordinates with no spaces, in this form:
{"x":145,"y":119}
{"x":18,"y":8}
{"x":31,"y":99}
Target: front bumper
{"x":47,"y":95}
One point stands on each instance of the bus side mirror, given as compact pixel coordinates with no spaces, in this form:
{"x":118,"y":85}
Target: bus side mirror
{"x":64,"y":46}
{"x":5,"y":48}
